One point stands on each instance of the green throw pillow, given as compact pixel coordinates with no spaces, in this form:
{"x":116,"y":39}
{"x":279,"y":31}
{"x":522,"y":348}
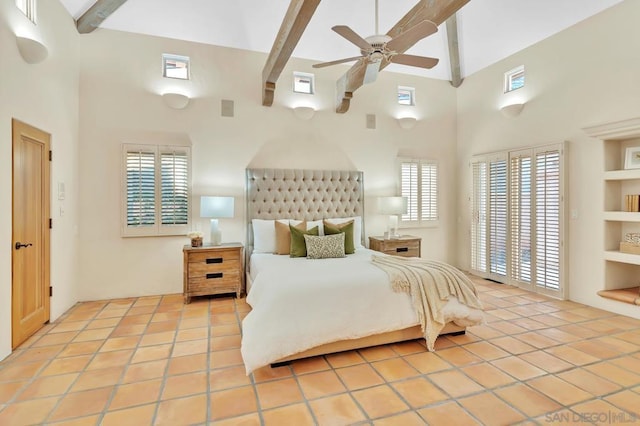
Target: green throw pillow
{"x":298,"y":247}
{"x":347,"y":228}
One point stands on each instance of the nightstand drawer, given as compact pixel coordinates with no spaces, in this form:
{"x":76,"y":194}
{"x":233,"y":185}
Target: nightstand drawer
{"x":403,"y":246}
{"x":217,"y":257}
{"x":201,"y":268}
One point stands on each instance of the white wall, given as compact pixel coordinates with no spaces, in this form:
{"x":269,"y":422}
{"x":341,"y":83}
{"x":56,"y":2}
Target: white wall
{"x":119,"y":102}
{"x":45,"y":96}
{"x":585,"y":75}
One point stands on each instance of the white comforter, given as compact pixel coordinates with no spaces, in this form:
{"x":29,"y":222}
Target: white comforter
{"x":298,"y":303}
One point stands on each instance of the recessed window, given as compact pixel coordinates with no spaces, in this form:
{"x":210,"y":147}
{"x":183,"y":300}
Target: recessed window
{"x":406,"y":95}
{"x":303,"y":83}
{"x":28,"y":7}
{"x":514,"y":79}
{"x":175,"y":66}
{"x":419,"y":184}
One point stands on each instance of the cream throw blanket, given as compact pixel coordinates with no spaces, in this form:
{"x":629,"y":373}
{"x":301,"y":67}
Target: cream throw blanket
{"x":430,"y":284}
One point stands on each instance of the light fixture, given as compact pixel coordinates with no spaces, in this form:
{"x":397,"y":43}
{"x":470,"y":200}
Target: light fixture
{"x":512,"y":110}
{"x":176,"y":100}
{"x":407,"y":122}
{"x":392,"y":206}
{"x":31,"y":50}
{"x":304,"y":112}
{"x":216,"y":208}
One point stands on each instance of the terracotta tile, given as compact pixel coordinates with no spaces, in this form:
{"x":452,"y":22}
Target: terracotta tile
{"x":512,"y":345}
{"x":188,"y":410}
{"x":147,"y":301}
{"x":191,"y":347}
{"x":110,"y":359}
{"x":559,"y":390}
{"x":579,"y":331}
{"x":165,"y":316}
{"x":94,"y":379}
{"x":196,"y":322}
{"x":395,"y":369}
{"x":157,"y":338}
{"x":546,"y":361}
{"x":595,"y":349}
{"x":408,"y":348}
{"x":559,"y":335}
{"x":193,"y":334}
{"x":419,"y":392}
{"x":484,"y":332}
{"x":537,"y":340}
{"x":487,"y":375}
{"x":221,"y":359}
{"x":66,"y":365}
{"x":39,"y":353}
{"x":151,"y":353}
{"x":225,"y":330}
{"x":278,"y":393}
{"x":9,"y":389}
{"x":504,"y":314}
{"x":320,"y":384}
{"x":632,"y":337}
{"x":267,"y":373}
{"x":335,"y":410}
{"x":187,"y":364}
{"x":600,"y":412}
{"x":79,"y":421}
{"x":442,"y":414}
{"x":626,"y":400}
{"x":135,"y":416}
{"x":378,"y":353}
{"x":427,"y":362}
{"x":232,"y":402}
{"x":81,"y":404}
{"x":571,"y":355}
{"x":161,"y":327}
{"x":458,"y":356}
{"x":628,"y":362}
{"x":128,"y":330}
{"x":297,"y":414}
{"x":442,"y":342}
{"x":529,"y":401}
{"x":89,"y":335}
{"x":20,"y":371}
{"x":144,"y":371}
{"x":359,"y":376}
{"x":185,"y":384}
{"x":102,"y":323}
{"x":405,"y":419}
{"x":379,"y":401}
{"x":136,"y":394}
{"x":252,"y":419}
{"x":68,"y":326}
{"x":614,"y":373}
{"x":226,"y":378}
{"x":310,"y":365}
{"x":55,"y":339}
{"x":119,"y":343}
{"x":507,"y":327}
{"x":48,"y":386}
{"x":141,"y":310}
{"x":111,"y":313}
{"x":455,"y":383}
{"x":619,"y":345}
{"x":518,"y":368}
{"x":135,"y":319}
{"x":463,"y":339}
{"x":345,"y":359}
{"x":490,"y":410}
{"x":589,"y":382}
{"x":28,"y":412}
{"x":225,"y":342}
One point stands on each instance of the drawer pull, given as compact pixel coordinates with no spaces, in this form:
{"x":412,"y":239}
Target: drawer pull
{"x":214,"y":275}
{"x":402,"y":249}
{"x":214,"y":260}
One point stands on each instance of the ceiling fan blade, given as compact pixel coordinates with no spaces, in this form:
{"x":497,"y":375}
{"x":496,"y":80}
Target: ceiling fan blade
{"x":338,"y":61}
{"x":411,"y":36}
{"x":414,"y":61}
{"x":351,"y":35}
{"x":371,"y":73}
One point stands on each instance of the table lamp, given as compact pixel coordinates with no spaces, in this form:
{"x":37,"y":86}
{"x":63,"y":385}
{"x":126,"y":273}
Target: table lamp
{"x":392,"y":206}
{"x":216,"y":208}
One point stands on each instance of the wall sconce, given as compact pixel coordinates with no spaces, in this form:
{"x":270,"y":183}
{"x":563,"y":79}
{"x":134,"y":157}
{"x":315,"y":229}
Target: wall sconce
{"x":304,"y":112}
{"x":407,"y":122}
{"x":215,"y":208}
{"x":176,"y":100}
{"x":32,"y":51}
{"x":512,"y":110}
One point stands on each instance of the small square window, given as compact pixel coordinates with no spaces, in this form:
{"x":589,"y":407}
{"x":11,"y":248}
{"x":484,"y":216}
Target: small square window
{"x":175,"y":66}
{"x":303,"y":83}
{"x":28,"y":7}
{"x":514,"y":79}
{"x":406,"y":95}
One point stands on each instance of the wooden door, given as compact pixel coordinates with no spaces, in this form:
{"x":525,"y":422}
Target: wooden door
{"x":30,"y":244}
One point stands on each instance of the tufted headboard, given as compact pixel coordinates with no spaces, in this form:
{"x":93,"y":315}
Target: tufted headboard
{"x":302,"y":195}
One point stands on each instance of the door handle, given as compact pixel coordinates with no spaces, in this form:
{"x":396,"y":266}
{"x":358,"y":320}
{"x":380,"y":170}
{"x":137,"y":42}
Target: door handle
{"x":19,"y":245}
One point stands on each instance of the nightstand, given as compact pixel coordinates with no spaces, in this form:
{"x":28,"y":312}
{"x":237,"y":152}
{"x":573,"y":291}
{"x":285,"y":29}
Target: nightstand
{"x":212,"y":270}
{"x":404,"y":245}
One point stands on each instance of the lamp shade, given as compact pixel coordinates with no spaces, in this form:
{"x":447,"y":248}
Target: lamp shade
{"x":392,"y":205}
{"x":216,"y":207}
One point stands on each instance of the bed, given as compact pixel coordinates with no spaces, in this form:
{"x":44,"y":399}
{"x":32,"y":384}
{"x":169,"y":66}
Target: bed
{"x":302,"y":307}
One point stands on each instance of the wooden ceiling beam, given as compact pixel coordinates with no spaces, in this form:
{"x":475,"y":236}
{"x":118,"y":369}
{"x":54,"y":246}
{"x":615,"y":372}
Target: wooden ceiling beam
{"x":454,"y":50}
{"x":436,"y":11}
{"x":293,"y":25}
{"x":97,"y":13}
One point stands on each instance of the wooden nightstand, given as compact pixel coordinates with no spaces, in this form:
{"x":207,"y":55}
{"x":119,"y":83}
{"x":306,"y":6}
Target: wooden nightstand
{"x":405,"y":245}
{"x":212,"y":270}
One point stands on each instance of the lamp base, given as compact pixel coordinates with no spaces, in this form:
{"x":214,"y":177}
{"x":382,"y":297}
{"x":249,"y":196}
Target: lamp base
{"x":216,"y":235}
{"x":392,"y":228}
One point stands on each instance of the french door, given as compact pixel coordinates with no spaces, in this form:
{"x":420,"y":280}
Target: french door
{"x":517,"y":218}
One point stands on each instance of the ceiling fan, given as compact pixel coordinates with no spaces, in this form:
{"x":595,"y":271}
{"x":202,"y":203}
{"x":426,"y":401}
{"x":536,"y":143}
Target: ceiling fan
{"x":380,"y":47}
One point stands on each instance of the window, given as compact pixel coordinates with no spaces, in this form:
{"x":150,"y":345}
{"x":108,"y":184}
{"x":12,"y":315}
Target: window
{"x":28,"y":7}
{"x":514,"y":79}
{"x":516,"y":221}
{"x":406,"y":95}
{"x":156,"y":190}
{"x":419,"y":184}
{"x":175,"y":66}
{"x":303,"y":83}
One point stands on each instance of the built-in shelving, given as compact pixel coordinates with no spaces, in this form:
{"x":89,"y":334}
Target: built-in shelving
{"x":618,"y":256}
{"x":622,"y":174}
{"x":622,"y":216}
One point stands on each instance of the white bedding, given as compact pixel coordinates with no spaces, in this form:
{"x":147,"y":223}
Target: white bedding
{"x":298,"y":303}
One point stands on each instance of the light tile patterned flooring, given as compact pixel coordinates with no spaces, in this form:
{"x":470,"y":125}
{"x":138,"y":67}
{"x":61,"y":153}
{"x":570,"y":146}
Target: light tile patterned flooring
{"x":154,"y":360}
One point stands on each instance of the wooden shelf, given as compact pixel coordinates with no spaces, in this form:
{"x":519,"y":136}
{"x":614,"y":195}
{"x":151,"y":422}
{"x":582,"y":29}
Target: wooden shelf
{"x":626,"y":295}
{"x":617,"y":256}
{"x":622,"y":174}
{"x":622,"y":216}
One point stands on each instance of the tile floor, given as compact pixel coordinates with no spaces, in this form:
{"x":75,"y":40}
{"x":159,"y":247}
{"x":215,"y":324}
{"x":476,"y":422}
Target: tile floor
{"x":154,"y":360}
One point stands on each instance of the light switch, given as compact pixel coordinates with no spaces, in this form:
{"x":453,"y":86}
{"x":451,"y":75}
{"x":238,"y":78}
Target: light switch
{"x":574,"y":214}
{"x":61,"y":190}
{"x":371,"y":121}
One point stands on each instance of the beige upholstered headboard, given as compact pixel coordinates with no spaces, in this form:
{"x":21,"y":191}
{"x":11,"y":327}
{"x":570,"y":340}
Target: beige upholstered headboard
{"x":303,"y":195}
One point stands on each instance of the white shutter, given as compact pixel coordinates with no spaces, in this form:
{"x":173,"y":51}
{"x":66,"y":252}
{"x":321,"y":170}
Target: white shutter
{"x":419,"y":184}
{"x":174,"y":187}
{"x":498,"y":218}
{"x":429,"y":191}
{"x":140,"y":187}
{"x":520,"y":198}
{"x":479,"y":215}
{"x":409,"y":189}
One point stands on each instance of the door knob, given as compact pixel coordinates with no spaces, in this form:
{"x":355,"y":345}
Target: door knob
{"x":19,"y":245}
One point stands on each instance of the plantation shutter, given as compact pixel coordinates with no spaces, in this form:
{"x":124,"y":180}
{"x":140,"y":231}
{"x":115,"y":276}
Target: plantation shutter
{"x":548,"y":213}
{"x":478,"y":215}
{"x":520,"y":217}
{"x":429,"y":191}
{"x":498,"y":217}
{"x":419,"y":184}
{"x":174,"y":187}
{"x":140,"y":188}
{"x":409,"y":189}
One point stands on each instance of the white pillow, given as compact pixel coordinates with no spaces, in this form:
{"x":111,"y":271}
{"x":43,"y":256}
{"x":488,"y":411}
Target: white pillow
{"x":264,"y":234}
{"x":357,"y":228}
{"x":318,"y":223}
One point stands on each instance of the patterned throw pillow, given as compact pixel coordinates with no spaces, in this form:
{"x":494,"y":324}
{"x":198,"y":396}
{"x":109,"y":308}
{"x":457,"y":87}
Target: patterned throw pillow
{"x":325,"y":247}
